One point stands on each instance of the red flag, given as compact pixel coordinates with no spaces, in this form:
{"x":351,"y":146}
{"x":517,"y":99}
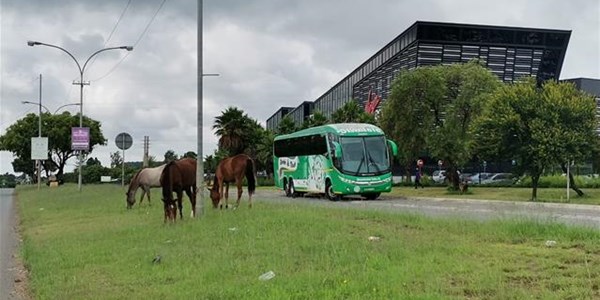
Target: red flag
{"x":373,"y":101}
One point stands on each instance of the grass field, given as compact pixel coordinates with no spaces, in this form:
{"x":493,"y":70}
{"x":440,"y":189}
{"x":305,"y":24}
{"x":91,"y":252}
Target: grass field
{"x":88,"y":246}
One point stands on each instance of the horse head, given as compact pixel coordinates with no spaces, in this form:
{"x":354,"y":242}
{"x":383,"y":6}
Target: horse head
{"x":214,"y":194}
{"x":130,"y":199}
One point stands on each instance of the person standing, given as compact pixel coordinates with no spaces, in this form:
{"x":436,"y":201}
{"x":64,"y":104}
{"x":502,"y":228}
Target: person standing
{"x":418,"y":176}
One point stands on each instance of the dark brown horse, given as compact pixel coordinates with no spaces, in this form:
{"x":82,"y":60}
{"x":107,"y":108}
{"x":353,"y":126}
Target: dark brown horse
{"x":229,"y":170}
{"x":178,"y":176}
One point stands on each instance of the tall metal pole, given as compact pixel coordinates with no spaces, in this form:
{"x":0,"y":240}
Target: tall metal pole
{"x":81,"y":84}
{"x":200,"y":157}
{"x":79,"y":177}
{"x":39,"y":162}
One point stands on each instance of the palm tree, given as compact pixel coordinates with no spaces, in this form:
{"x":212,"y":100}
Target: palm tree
{"x":232,"y":126}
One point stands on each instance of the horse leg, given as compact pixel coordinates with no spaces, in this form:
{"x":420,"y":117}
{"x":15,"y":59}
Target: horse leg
{"x":192,"y":195}
{"x":227,"y":195}
{"x":179,"y":203}
{"x":221,"y":194}
{"x":147,"y":189}
{"x":142,"y":197}
{"x":239,"y":193}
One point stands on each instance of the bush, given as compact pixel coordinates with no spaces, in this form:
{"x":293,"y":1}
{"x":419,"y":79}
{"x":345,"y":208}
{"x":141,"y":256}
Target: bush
{"x":558,"y":181}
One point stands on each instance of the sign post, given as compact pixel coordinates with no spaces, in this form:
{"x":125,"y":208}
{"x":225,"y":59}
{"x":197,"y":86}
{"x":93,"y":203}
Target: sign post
{"x":124,"y":142}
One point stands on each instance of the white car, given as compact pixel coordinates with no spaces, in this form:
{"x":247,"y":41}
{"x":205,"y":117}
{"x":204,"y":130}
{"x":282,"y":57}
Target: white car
{"x":438,"y":176}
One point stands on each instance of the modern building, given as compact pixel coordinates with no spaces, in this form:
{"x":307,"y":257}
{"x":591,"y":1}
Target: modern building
{"x":273,"y":121}
{"x":509,"y":52}
{"x":302,"y":112}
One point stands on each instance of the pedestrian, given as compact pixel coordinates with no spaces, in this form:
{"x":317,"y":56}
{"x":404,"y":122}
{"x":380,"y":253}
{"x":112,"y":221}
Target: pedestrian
{"x":418,"y":178}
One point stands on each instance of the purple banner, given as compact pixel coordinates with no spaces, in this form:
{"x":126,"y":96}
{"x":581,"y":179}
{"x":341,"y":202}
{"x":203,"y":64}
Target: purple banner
{"x":80,"y":138}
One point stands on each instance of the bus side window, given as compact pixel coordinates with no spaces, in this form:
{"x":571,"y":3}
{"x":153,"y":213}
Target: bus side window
{"x":331,"y":138}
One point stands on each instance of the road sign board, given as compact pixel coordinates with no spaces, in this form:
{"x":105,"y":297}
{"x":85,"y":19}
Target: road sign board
{"x":123,"y":141}
{"x":80,"y":138}
{"x":39,"y":148}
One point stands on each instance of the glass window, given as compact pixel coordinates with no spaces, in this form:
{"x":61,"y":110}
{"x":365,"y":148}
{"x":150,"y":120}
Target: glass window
{"x":364,"y":155}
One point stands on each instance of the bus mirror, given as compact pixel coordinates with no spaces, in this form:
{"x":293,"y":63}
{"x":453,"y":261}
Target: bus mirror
{"x":393,"y":147}
{"x":338,"y":150}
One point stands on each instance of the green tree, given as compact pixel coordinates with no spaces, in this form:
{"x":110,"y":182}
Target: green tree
{"x":190,"y":154}
{"x":537,"y":127}
{"x":286,"y":126}
{"x":264,"y":154}
{"x":115,"y":159}
{"x":170,"y":156}
{"x":430,"y":109}
{"x":232,"y":127}
{"x":351,"y":112}
{"x":316,"y":119}
{"x":58,"y":130}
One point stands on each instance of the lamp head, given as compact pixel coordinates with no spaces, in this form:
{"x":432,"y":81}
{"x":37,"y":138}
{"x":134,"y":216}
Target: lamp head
{"x":32,"y":43}
{"x":128,"y":48}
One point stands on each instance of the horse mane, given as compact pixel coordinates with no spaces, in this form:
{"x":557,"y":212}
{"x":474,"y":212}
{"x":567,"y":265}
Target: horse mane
{"x":133,"y":184}
{"x":167,"y":188}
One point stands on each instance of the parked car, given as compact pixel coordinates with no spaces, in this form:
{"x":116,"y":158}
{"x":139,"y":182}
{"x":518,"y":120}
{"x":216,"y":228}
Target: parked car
{"x":438,"y":176}
{"x":479,"y":178}
{"x":500,"y":178}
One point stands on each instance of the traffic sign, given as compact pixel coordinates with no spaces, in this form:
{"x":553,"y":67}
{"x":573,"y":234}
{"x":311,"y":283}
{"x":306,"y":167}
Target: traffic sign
{"x":123,"y":141}
{"x":420,"y":162}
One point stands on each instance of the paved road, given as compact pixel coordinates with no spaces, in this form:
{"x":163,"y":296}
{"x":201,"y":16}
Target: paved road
{"x":8,"y":245}
{"x":571,"y":214}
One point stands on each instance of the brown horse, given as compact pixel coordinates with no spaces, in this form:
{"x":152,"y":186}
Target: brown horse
{"x":229,"y":170}
{"x":178,"y":176}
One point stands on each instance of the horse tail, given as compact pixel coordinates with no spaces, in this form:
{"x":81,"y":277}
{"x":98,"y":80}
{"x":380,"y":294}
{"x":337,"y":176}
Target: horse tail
{"x":250,"y":176}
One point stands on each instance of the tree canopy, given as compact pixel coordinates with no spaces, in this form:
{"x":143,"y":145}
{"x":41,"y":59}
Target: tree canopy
{"x":429,"y":111}
{"x":351,"y":112}
{"x":57,"y":128}
{"x":537,"y":127}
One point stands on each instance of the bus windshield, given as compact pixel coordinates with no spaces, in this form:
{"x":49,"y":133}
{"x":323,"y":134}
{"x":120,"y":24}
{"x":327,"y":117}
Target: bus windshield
{"x":364,"y":156}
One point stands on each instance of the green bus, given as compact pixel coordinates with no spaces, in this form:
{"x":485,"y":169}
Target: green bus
{"x":335,"y":160}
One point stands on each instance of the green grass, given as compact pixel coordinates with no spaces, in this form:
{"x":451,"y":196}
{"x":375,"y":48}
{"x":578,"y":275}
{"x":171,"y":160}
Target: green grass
{"x":88,"y":246}
{"x":553,"y":195}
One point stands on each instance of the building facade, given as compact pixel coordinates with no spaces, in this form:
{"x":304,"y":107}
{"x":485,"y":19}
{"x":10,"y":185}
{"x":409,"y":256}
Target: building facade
{"x":509,"y":52}
{"x":273,"y":121}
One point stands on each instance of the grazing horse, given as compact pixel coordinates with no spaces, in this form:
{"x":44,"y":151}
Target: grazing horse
{"x":233,"y":169}
{"x":145,"y":178}
{"x":178,"y":176}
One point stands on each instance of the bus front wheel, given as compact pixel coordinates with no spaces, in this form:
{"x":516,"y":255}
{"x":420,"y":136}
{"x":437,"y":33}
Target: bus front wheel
{"x":290,"y":191}
{"x":329,"y":192}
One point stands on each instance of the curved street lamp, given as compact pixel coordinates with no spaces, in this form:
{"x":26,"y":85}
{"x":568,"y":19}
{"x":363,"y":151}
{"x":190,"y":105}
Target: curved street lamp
{"x":36,"y":103}
{"x":80,"y":83}
{"x":68,"y":104}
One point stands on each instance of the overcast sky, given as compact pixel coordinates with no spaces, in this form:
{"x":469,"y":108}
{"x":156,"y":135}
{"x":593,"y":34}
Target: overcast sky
{"x":269,"y":53}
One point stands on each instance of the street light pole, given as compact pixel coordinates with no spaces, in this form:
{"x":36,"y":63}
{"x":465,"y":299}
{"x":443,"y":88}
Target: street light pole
{"x":81,"y":84}
{"x":64,"y":106}
{"x":39,"y":162}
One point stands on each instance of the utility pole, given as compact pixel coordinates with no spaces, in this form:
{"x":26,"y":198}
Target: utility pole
{"x":146,"y":147}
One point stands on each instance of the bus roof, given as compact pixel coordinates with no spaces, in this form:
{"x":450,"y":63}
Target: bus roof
{"x":343,"y":129}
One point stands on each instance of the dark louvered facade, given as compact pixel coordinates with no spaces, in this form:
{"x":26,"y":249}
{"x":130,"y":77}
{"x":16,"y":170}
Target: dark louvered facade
{"x":509,"y":52}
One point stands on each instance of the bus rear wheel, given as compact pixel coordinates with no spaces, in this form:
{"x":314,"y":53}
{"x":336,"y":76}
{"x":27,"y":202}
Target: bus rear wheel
{"x":329,"y":192}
